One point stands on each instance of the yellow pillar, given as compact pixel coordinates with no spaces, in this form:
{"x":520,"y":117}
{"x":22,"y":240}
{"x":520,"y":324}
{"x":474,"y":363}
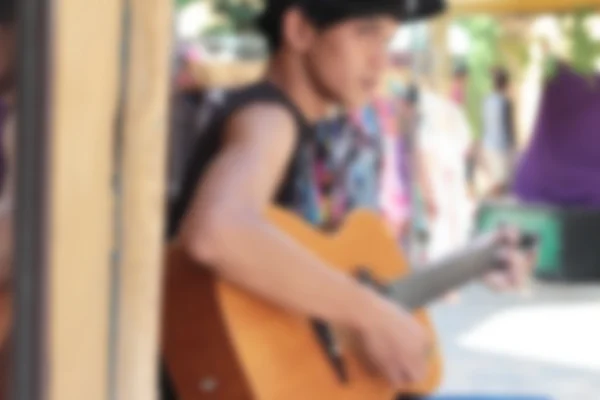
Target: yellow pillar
{"x":442,"y":66}
{"x":85,"y":72}
{"x":143,"y":199}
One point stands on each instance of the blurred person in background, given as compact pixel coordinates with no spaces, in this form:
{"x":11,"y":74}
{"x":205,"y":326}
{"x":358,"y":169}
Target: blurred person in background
{"x":187,"y":61}
{"x":414,"y":173}
{"x":445,"y":140}
{"x":394,"y":196}
{"x":498,"y":141}
{"x":188,"y":96}
{"x":7,"y":176}
{"x":458,"y":88}
{"x":458,"y":94}
{"x":437,"y":218}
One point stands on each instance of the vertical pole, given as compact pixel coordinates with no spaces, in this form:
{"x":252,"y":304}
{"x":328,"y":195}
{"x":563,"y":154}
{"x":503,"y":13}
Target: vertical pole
{"x":31,"y":201}
{"x":86,"y":44}
{"x":143,"y":198}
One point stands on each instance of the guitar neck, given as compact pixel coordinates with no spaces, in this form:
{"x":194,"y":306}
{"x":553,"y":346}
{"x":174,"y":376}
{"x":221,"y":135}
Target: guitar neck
{"x":433,"y":281}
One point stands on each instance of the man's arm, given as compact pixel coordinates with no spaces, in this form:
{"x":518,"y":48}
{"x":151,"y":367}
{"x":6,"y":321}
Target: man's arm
{"x":226,"y":228}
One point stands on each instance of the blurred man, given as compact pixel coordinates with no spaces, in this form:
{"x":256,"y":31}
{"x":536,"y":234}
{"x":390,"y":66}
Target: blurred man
{"x":458,"y":94}
{"x":415,"y":174}
{"x":458,"y":89}
{"x":498,"y":143}
{"x":259,"y":148}
{"x":187,"y":96}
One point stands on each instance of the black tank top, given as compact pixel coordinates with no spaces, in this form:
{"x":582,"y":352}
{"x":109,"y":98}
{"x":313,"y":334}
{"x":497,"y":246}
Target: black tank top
{"x":210,"y":141}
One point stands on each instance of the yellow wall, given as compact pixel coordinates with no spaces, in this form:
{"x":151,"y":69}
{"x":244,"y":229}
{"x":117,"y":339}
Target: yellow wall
{"x":519,"y":6}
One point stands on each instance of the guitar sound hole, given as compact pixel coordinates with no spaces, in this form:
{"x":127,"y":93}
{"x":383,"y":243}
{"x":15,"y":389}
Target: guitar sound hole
{"x":326,"y":337}
{"x":365,"y":277}
{"x":327,"y":340}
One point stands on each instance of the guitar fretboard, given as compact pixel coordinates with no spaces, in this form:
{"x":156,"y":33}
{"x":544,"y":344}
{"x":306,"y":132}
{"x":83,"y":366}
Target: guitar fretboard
{"x":430,"y":282}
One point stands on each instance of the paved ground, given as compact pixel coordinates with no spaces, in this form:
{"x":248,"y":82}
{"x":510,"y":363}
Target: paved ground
{"x":544,"y":344}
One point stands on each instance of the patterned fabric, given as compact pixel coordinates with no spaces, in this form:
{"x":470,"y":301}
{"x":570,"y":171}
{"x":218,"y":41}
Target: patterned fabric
{"x":358,"y":161}
{"x":343,"y":163}
{"x":364,"y":174}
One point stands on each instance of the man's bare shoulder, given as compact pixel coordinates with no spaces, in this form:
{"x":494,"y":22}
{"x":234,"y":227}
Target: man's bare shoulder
{"x":263,"y":121}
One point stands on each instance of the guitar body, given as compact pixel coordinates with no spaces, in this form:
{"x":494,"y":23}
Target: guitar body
{"x":219,"y":342}
{"x":6,"y":315}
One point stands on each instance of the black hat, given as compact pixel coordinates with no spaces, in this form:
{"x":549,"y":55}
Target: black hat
{"x":328,"y":12}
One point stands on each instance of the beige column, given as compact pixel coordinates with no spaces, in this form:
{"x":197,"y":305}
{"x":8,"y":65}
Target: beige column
{"x":143,"y":175}
{"x":85,"y":54}
{"x":442,"y":66}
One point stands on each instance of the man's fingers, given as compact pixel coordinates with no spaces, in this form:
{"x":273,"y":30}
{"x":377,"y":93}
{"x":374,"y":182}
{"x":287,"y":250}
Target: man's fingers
{"x":497,"y":281}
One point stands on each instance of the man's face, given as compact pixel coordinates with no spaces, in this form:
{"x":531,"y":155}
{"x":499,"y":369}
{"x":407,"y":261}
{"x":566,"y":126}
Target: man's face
{"x":347,"y":60}
{"x":7,"y":58}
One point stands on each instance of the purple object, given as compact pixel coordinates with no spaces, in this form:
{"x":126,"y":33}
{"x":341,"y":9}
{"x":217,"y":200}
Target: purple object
{"x":561,"y":167}
{"x":403,"y":152}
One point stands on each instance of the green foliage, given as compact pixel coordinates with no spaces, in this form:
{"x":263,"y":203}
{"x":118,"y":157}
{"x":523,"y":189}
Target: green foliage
{"x":183,"y":3}
{"x":240,"y":13}
{"x":221,"y":29}
{"x":482,"y":57}
{"x":491,"y":47}
{"x":550,"y":67}
{"x":584,"y":50}
{"x":513,"y":50}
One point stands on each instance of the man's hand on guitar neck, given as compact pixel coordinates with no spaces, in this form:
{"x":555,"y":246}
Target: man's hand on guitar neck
{"x":395,"y":343}
{"x":226,"y":230}
{"x":517,"y":262}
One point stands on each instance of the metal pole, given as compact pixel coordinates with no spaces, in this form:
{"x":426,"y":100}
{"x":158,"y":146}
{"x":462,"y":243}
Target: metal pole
{"x":30,"y":221}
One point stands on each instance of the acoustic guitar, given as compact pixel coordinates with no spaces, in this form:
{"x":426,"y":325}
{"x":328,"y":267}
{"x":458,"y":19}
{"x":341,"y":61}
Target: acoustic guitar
{"x":220,"y":342}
